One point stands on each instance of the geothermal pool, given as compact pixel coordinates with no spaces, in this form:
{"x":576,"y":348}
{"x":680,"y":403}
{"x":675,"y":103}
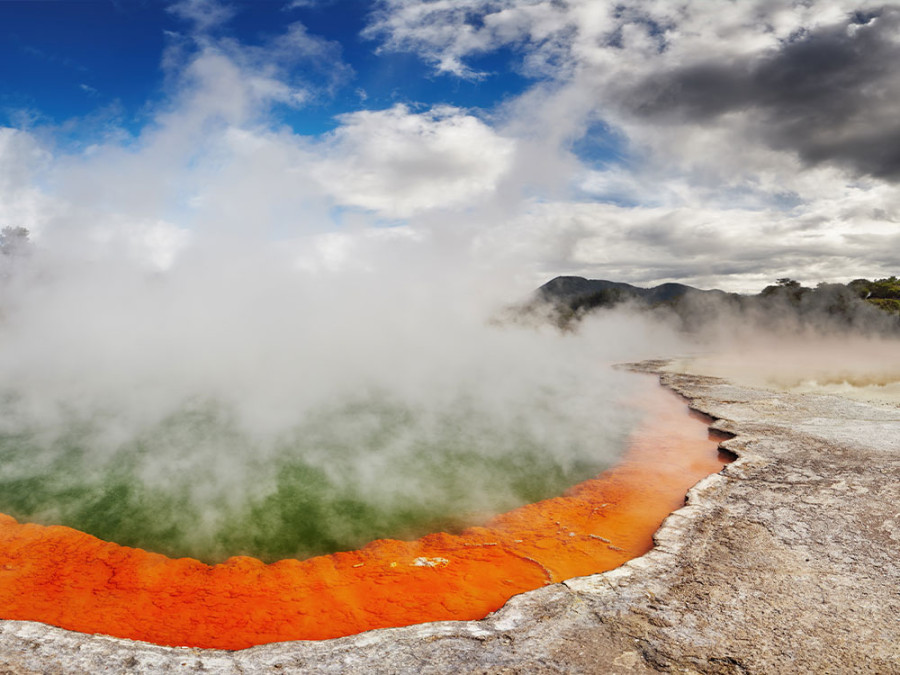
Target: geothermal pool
{"x":68,"y":578}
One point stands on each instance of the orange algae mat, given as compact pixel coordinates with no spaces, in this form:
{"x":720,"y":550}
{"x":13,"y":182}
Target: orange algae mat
{"x":67,"y":578}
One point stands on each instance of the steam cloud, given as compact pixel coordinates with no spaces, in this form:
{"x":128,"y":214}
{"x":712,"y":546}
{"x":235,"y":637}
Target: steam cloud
{"x":236,"y":388}
{"x":221,"y":321}
{"x":208,"y":350}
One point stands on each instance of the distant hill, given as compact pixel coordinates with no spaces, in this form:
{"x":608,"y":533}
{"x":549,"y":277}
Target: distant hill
{"x":861,"y":305}
{"x":578,"y":293}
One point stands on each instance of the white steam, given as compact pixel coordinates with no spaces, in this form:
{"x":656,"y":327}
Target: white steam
{"x":214,"y":321}
{"x":206,"y":383}
{"x":857,"y":366}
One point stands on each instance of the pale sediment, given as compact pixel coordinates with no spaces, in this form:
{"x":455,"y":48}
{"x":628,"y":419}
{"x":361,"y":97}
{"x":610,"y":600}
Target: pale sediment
{"x":786,"y":561}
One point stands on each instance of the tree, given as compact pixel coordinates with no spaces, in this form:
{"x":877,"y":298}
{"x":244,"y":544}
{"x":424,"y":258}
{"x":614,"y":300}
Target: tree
{"x":786,"y":289}
{"x":885,"y":289}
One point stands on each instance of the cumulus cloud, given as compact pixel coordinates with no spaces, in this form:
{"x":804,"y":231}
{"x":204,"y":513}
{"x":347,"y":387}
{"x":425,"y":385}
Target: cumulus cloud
{"x":448,"y":32}
{"x":828,"y":93}
{"x":741,"y":122}
{"x":292,"y":68}
{"x":204,"y":14}
{"x":703,"y":246}
{"x":398,"y":163}
{"x":813,"y":78}
{"x":212,"y":157}
{"x":736,"y":126}
{"x":760,"y":121}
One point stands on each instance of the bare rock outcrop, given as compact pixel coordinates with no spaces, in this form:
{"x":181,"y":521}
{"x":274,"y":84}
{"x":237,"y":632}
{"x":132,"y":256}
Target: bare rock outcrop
{"x":786,"y":561}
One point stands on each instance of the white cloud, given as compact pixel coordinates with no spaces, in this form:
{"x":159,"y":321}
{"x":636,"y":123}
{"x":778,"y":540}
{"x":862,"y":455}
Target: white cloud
{"x":204,"y":14}
{"x":399,"y":163}
{"x":296,"y":55}
{"x":737,"y":249}
{"x":239,"y":83}
{"x":603,"y":34}
{"x":681,"y":204}
{"x":729,"y":195}
{"x":446,"y":33}
{"x":212,"y":158}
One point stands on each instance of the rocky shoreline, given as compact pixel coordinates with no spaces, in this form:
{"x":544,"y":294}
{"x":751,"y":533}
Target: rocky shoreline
{"x":784,"y":562}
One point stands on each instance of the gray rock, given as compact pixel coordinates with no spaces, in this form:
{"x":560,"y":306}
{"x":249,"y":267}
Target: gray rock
{"x":786,"y":561}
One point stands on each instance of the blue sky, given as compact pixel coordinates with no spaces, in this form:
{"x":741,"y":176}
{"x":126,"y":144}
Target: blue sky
{"x":61,"y":60}
{"x":647,"y":141}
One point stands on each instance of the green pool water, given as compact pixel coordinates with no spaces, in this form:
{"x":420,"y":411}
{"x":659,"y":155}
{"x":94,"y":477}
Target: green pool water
{"x":197,"y":483}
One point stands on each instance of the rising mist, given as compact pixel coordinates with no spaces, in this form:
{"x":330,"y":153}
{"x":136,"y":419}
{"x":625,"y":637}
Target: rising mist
{"x":228,"y":337}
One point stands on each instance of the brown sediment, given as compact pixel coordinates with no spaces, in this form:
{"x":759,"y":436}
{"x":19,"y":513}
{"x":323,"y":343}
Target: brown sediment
{"x":67,"y":578}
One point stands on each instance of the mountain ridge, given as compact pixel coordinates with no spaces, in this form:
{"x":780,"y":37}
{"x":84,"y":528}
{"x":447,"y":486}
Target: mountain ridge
{"x":869,"y":306}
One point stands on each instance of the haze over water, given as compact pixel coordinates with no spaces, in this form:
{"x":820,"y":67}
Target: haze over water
{"x":269,"y":242}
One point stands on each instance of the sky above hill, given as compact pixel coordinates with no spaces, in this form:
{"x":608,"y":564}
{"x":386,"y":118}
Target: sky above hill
{"x":721,"y":144}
